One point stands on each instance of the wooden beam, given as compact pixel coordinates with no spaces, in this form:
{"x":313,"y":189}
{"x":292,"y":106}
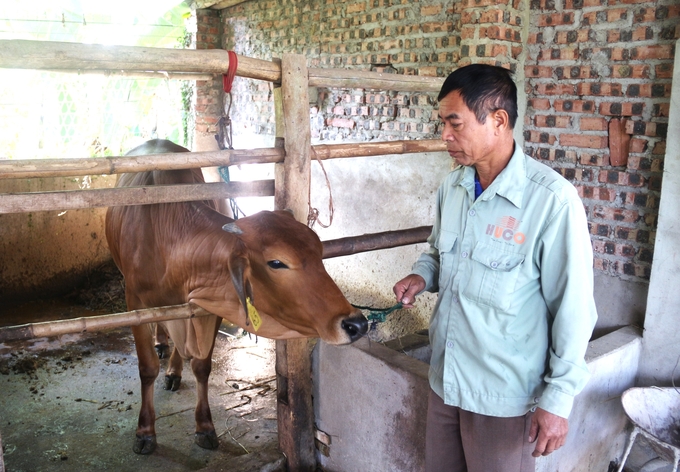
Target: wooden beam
{"x":72,"y":199}
{"x":293,"y":359}
{"x":97,"y":323}
{"x":25,"y":54}
{"x":32,"y":168}
{"x":59,"y":56}
{"x":360,"y":79}
{"x":138,"y":74}
{"x":372,"y":242}
{"x":339,"y":151}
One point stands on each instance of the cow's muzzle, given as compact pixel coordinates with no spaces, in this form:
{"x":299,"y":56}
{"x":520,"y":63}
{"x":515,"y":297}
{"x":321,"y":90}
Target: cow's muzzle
{"x":355,"y":327}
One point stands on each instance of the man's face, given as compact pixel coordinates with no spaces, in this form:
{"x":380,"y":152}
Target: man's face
{"x":467,"y":141}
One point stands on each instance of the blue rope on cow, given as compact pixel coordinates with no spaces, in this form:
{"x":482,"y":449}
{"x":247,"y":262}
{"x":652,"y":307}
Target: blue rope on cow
{"x":378,"y":315}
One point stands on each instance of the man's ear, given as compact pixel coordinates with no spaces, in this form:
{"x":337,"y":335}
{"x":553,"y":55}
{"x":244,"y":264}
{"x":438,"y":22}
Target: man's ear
{"x":500,"y":120}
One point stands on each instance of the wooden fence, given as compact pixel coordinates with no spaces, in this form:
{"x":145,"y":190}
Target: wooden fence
{"x":291,"y":188}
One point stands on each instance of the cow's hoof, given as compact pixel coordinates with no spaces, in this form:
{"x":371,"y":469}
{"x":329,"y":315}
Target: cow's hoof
{"x":163,"y":351}
{"x":144,"y":444}
{"x":207,"y":440}
{"x":172,"y":382}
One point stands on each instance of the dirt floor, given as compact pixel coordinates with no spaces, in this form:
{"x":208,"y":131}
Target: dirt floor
{"x":71,"y":403}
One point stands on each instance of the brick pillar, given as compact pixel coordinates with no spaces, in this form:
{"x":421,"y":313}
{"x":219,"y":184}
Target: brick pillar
{"x":208,"y":102}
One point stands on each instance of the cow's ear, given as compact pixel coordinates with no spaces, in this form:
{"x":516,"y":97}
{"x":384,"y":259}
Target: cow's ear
{"x":239,"y":269}
{"x":232,"y":228}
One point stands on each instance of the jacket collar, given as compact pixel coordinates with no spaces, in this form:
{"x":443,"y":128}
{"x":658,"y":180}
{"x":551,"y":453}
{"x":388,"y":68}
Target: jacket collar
{"x":509,"y":184}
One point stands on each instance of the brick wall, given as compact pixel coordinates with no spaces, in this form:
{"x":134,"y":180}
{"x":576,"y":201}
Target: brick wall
{"x":585,"y":63}
{"x":588,"y":62}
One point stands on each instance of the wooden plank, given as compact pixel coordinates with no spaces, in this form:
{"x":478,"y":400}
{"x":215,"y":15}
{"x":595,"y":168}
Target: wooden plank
{"x":32,"y":168}
{"x":26,"y":54}
{"x":360,"y":79}
{"x":293,"y":360}
{"x":72,"y":199}
{"x":372,"y":242}
{"x":101,"y":322}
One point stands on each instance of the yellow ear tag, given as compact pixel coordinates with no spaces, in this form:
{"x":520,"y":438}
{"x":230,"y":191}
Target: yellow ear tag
{"x":254,"y":315}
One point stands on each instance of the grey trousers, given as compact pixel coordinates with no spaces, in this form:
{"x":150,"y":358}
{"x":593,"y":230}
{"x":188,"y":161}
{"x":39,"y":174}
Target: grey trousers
{"x":461,"y":441}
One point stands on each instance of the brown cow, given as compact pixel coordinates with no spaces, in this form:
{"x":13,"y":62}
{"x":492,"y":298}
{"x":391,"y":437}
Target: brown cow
{"x":176,"y":253}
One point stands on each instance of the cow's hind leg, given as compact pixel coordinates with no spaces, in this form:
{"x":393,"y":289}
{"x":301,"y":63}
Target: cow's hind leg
{"x":149,"y":365}
{"x":162,"y":342}
{"x":173,"y":375}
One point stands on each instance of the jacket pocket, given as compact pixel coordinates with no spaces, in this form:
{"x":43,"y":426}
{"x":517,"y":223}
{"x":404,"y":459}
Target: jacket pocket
{"x":493,"y":276}
{"x":445,"y":245}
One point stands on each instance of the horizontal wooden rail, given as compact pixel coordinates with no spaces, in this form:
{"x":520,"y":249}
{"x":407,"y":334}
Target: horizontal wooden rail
{"x":26,"y":54}
{"x":73,"y":199}
{"x":339,"y":151}
{"x":372,"y":242}
{"x":59,"y":56}
{"x":360,"y":79}
{"x":98,"y":323}
{"x":34,"y":168}
{"x":56,"y":167}
{"x":139,"y":74}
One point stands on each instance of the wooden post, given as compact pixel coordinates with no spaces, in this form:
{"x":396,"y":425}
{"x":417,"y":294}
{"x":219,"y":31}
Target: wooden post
{"x":293,"y":362}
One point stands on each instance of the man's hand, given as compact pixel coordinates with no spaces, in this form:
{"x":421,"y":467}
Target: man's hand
{"x":407,"y":289}
{"x":549,"y":431}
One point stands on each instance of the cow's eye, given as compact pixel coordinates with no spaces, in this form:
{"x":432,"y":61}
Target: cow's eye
{"x":277,"y":264}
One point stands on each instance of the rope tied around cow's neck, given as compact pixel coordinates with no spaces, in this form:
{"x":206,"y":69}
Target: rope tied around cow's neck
{"x":378,"y":315}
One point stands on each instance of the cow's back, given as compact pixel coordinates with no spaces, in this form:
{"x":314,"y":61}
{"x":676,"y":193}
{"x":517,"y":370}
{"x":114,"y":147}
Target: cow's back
{"x":142,"y":237}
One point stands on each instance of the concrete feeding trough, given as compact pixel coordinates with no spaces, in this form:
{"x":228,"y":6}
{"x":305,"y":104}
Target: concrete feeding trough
{"x":370,"y":403}
{"x":655,"y":413}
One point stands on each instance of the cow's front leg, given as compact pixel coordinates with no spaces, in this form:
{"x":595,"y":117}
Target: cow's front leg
{"x":149,"y":365}
{"x":205,"y":430}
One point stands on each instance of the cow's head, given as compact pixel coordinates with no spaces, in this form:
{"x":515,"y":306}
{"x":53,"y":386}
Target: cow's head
{"x":278,"y":273}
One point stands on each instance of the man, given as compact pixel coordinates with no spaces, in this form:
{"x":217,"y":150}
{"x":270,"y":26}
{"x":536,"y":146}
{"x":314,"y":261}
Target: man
{"x":511,"y":258}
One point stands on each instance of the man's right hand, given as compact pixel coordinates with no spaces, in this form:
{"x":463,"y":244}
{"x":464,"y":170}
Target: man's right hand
{"x":407,"y":289}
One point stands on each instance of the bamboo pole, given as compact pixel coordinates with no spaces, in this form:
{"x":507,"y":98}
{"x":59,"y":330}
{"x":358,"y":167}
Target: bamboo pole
{"x":123,"y":196}
{"x":97,"y":323}
{"x":41,"y":55}
{"x":295,"y":413}
{"x":138,"y":74}
{"x":371,"y":242}
{"x":35,"y":168}
{"x":339,"y":151}
{"x":360,"y":79}
{"x":52,"y":55}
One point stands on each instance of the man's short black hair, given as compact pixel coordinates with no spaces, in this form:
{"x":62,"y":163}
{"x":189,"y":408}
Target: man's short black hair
{"x":484,"y":89}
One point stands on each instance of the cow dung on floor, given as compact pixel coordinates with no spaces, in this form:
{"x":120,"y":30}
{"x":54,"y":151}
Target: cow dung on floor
{"x":71,"y":403}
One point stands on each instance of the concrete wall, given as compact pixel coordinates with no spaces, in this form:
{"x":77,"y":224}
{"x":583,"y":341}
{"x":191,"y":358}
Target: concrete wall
{"x":48,"y":253}
{"x":372,"y":402}
{"x":662,"y":324}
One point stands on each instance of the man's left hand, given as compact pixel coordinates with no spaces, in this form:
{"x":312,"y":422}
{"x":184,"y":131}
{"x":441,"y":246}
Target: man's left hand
{"x":549,"y":431}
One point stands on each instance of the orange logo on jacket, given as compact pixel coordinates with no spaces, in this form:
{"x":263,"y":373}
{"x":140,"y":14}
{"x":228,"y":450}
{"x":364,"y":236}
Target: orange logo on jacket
{"x":506,"y":229}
